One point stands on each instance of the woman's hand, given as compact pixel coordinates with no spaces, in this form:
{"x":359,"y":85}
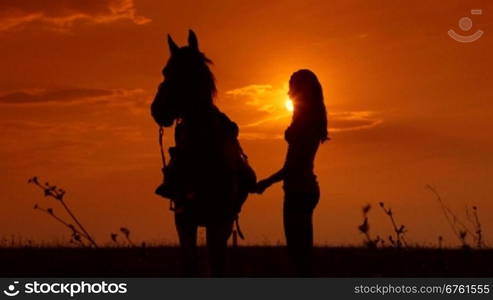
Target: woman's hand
{"x":261,"y":186}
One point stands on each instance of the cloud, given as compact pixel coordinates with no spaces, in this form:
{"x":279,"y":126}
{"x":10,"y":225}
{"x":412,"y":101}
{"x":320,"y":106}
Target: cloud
{"x":266,"y":115}
{"x":62,"y":14}
{"x":353,"y":120}
{"x":255,"y":94}
{"x":65,"y":96}
{"x":251,"y":90}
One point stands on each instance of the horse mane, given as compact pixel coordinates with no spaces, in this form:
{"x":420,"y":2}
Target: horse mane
{"x":199,"y":63}
{"x":189,"y":86}
{"x":208,"y":77}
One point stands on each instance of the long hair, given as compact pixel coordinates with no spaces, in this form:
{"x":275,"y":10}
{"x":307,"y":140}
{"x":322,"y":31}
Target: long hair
{"x":309,"y":108}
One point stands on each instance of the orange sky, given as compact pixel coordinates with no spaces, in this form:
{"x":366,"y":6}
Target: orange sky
{"x":408,"y":106}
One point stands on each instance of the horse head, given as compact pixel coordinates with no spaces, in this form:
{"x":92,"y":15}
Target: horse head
{"x":188,"y":86}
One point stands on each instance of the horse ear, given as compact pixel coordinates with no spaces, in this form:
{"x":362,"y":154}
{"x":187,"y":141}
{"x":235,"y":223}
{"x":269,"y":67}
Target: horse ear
{"x":192,"y":40}
{"x":172,"y":45}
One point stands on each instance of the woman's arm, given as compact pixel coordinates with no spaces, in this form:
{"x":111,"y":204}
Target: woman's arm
{"x":276,"y":177}
{"x":291,"y":157}
{"x":263,"y":184}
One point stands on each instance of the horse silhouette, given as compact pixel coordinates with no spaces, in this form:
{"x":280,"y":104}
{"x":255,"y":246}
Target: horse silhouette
{"x":208,"y":177}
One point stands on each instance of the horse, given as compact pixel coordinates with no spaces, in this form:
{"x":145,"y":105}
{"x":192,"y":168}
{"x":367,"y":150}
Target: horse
{"x":204,"y":173}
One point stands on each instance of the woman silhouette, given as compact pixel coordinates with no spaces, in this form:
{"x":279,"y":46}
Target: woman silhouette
{"x":301,"y":192}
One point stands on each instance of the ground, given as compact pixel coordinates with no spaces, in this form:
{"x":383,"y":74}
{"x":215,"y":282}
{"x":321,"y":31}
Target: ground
{"x":254,"y":261}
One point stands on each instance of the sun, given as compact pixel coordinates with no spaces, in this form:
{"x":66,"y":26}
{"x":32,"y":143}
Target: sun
{"x":289,"y":104}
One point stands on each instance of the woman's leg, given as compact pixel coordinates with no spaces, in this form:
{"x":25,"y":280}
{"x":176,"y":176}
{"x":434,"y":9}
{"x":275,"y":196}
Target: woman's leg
{"x":187,"y":234}
{"x":298,"y":228}
{"x":299,"y":237}
{"x":217,"y":246}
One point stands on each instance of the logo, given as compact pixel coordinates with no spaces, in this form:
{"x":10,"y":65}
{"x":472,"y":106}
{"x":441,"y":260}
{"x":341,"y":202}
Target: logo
{"x":69,"y":288}
{"x":465,"y":23}
{"x":11,"y":291}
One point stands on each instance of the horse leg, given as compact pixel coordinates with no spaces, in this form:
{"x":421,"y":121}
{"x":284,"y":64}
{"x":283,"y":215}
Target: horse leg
{"x":187,"y":234}
{"x":217,"y":246}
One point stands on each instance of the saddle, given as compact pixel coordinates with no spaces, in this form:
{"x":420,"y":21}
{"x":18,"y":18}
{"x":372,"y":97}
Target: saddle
{"x":183,"y":191}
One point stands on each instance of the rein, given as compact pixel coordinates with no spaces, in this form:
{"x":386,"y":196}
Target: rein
{"x":161,"y":147}
{"x":163,"y":160}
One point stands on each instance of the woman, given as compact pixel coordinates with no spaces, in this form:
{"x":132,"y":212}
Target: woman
{"x":307,"y":131}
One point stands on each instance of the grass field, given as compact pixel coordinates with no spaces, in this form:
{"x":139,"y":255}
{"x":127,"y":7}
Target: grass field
{"x":254,"y":261}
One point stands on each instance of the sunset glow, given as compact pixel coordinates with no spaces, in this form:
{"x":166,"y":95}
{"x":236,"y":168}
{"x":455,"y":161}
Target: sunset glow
{"x":289,"y":104}
{"x":79,"y":77}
